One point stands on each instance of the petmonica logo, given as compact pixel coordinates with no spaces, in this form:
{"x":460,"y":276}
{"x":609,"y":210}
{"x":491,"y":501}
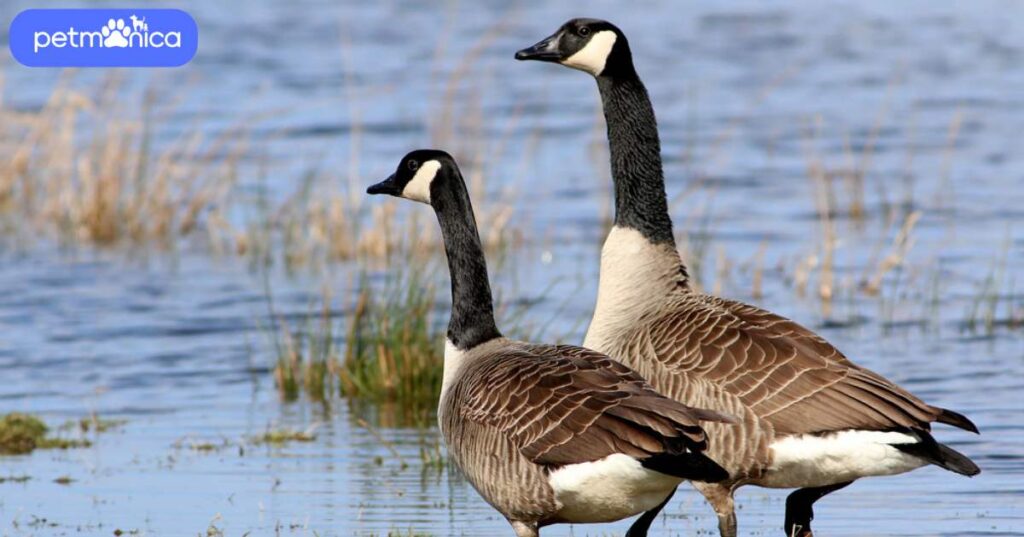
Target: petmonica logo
{"x":103,"y":37}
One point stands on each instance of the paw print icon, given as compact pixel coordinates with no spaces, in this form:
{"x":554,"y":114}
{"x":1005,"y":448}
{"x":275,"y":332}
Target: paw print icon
{"x":115,"y":33}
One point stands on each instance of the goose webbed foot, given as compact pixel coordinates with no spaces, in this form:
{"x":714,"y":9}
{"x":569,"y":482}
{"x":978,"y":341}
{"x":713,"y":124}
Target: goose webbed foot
{"x":800,"y":509}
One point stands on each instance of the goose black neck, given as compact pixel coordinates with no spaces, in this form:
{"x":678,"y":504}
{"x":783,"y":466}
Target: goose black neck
{"x":640,"y":201}
{"x":472,"y":319}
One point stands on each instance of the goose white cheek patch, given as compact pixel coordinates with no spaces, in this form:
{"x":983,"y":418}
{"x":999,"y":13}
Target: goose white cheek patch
{"x":418,"y":189}
{"x":592,"y":57}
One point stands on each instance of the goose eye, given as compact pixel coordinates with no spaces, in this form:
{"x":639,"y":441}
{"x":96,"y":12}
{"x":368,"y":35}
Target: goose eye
{"x":584,"y":31}
{"x":413,"y":165}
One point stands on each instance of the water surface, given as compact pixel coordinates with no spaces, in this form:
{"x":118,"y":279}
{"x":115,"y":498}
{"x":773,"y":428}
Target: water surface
{"x":747,"y":94}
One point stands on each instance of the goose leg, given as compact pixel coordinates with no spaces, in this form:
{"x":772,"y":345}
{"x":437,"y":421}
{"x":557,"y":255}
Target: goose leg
{"x":642,"y":524}
{"x":525,"y":529}
{"x":721,"y":500}
{"x":800,"y":510}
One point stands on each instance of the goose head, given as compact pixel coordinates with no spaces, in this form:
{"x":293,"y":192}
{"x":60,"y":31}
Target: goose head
{"x":418,"y":174}
{"x":595,"y":46}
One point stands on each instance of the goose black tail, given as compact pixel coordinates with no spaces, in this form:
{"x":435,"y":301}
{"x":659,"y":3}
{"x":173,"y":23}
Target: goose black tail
{"x":691,"y":466}
{"x":940,"y":455}
{"x":956,"y":419}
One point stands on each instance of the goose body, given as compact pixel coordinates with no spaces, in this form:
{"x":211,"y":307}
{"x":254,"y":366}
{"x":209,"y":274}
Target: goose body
{"x":809,"y":418}
{"x":545,"y":433}
{"x":507,"y":443}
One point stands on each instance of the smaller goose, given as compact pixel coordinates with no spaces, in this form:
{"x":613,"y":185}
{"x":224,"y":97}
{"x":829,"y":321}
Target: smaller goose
{"x":545,"y":433}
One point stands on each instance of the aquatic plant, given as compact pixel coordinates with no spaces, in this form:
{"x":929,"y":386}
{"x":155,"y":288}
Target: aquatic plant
{"x":24,"y":433}
{"x":201,"y":445}
{"x":284,"y":436}
{"x":393,"y":348}
{"x":93,"y":423}
{"x":996,"y":289}
{"x":20,"y":433}
{"x":390,"y":351}
{"x":306,"y":355}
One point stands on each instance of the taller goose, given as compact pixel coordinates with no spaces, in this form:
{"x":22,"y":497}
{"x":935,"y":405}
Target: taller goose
{"x":810,"y":418}
{"x":545,"y":433}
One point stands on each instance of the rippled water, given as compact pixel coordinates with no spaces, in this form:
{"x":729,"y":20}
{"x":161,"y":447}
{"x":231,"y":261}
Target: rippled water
{"x":173,"y":346}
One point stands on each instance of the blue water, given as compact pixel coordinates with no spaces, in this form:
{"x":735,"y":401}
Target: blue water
{"x":749,"y":95}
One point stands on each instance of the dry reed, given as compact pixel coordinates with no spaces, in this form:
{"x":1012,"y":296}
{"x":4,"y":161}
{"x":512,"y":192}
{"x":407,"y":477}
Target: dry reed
{"x":85,"y":169}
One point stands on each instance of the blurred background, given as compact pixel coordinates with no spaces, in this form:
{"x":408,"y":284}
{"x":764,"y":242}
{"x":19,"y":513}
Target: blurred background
{"x":224,"y":336}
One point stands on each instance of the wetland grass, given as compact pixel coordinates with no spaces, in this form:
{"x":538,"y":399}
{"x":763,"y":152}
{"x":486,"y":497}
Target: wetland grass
{"x":93,"y":423}
{"x":20,"y":433}
{"x":306,"y":354}
{"x":201,"y":445}
{"x":866,"y":244}
{"x":279,"y":437}
{"x":385,"y":349}
{"x":995,"y":290}
{"x":393,"y":351}
{"x":82,"y":169}
{"x":272,"y":436}
{"x":103,"y":167}
{"x":23,"y":433}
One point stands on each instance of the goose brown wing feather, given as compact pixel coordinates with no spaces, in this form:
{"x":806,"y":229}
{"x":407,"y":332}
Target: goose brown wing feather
{"x":787,"y":374}
{"x":562,"y":404}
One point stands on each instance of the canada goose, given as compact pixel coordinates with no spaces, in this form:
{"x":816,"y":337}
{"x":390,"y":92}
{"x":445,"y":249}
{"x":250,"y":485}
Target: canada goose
{"x":545,"y":433}
{"x":810,"y":418}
